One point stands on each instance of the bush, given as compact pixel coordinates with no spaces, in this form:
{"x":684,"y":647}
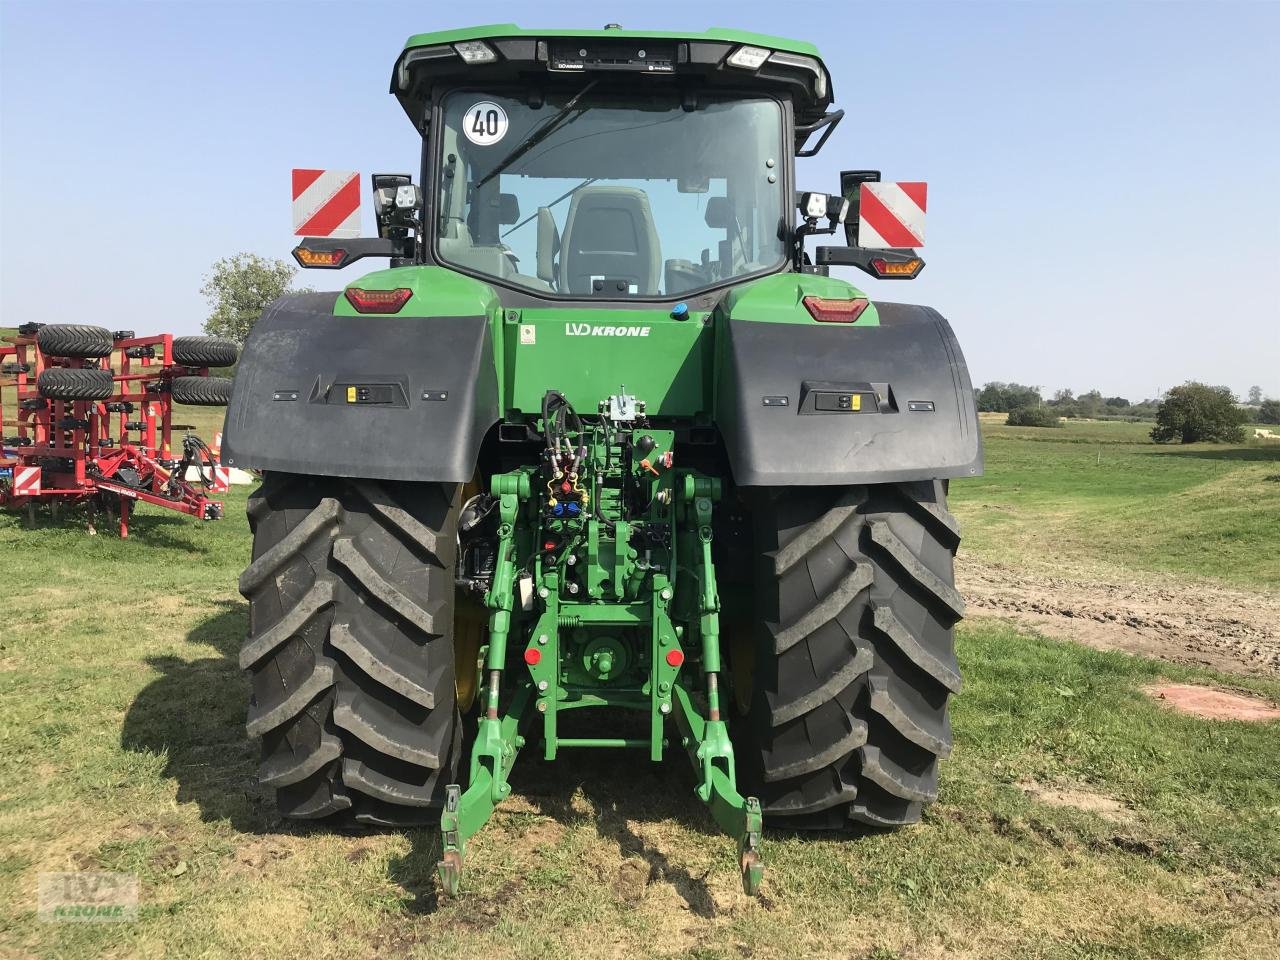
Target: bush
{"x":1198,"y":413}
{"x":1033,"y":417}
{"x":999,"y":397}
{"x":1269,"y":411}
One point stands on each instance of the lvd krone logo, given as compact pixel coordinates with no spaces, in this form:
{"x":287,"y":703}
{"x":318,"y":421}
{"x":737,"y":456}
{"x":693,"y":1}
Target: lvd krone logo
{"x":596,"y":330}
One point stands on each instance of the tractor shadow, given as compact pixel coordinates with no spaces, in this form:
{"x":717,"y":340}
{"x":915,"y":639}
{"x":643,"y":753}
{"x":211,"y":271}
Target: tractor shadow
{"x":193,"y":715}
{"x":612,"y":791}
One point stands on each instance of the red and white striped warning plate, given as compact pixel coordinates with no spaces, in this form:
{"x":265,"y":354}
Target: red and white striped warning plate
{"x":221,"y":479}
{"x":891,"y":215}
{"x":26,"y":481}
{"x":326,"y":203}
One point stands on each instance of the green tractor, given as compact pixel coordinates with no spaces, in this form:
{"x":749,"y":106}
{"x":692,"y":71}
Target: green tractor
{"x":605,"y":459}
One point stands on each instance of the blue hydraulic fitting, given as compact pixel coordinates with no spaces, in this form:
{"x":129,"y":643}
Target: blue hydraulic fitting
{"x":572,"y":509}
{"x":680,"y":311}
{"x":558,"y":509}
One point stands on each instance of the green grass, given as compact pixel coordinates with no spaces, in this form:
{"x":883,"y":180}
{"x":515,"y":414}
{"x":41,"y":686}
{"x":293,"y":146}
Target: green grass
{"x":121,"y":710}
{"x":1104,"y":493}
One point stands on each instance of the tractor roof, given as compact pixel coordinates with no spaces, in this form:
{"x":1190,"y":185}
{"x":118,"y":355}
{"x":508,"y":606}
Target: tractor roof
{"x":715,"y":34}
{"x":504,"y":52}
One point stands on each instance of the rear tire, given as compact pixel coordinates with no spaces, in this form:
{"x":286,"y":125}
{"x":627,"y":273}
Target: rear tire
{"x":74,"y":340}
{"x":202,"y":391}
{"x":854,"y":657}
{"x":350,"y":647}
{"x":75,"y":384}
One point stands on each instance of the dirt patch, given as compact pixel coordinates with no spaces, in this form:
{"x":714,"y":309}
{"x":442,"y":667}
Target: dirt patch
{"x":1213,"y":704}
{"x":1109,"y":808}
{"x":1232,"y":630}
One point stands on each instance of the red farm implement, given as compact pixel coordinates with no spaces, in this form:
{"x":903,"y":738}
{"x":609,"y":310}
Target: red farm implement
{"x":87,"y":418}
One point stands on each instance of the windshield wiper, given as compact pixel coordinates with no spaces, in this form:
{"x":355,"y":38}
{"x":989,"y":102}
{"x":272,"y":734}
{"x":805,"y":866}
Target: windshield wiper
{"x":535,"y":138}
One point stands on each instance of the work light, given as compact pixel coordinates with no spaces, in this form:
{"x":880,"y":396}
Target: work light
{"x":475,"y":51}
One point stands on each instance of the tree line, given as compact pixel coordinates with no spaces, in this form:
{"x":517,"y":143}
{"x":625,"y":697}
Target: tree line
{"x":998,"y":397}
{"x":1191,"y":413}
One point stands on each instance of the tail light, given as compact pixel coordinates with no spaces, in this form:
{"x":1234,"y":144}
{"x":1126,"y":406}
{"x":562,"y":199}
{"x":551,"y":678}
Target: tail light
{"x":896,"y":269}
{"x":825,"y":310}
{"x":325,"y":259}
{"x":378,"y":301}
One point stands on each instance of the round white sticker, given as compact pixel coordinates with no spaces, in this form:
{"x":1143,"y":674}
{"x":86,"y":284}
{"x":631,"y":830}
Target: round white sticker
{"x":485,"y":123}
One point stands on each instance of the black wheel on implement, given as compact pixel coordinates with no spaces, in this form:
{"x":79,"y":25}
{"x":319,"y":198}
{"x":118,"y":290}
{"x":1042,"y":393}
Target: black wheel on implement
{"x":350,"y":649}
{"x":74,"y":340}
{"x":204,"y":352}
{"x":202,"y":391}
{"x":854,"y":658}
{"x":67,"y":384}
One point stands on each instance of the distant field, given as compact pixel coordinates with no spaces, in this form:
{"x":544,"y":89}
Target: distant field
{"x":1078,"y":820}
{"x":1101,"y":493}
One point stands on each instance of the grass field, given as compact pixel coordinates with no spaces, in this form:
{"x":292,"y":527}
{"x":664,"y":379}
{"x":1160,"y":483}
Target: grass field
{"x":1078,"y":818}
{"x":1102,"y":494}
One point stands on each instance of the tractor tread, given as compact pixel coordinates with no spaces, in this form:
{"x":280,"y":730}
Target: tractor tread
{"x":855,"y":737}
{"x":931,"y":511}
{"x":348,"y":652}
{"x":896,"y":779}
{"x":781,"y":712}
{"x":945,"y":672}
{"x":268,"y":641}
{"x":885,"y":816}
{"x":820,"y":530}
{"x":830,"y":607}
{"x":290,"y":770}
{"x":266,"y":716}
{"x":360,"y":776}
{"x":382,"y":727}
{"x":323,"y":800}
{"x":848,"y":714}
{"x":390,"y":668}
{"x":918,"y":722}
{"x":417,"y":531}
{"x":882,"y":534}
{"x":359,"y":566}
{"x":327,"y":513}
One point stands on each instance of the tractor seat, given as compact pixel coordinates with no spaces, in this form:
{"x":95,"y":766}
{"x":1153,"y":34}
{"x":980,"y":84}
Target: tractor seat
{"x":609,"y":232}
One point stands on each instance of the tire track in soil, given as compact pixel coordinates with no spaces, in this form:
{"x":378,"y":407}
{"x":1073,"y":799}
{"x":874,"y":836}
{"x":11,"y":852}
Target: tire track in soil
{"x":1236,"y":631}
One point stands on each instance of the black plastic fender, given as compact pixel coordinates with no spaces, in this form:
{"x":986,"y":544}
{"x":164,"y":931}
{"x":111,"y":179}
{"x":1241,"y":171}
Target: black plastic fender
{"x":910,"y":412}
{"x":384,"y":397}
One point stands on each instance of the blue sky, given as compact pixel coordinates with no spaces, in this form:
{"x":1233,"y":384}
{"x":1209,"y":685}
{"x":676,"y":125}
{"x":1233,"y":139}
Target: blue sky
{"x":1104,"y":200}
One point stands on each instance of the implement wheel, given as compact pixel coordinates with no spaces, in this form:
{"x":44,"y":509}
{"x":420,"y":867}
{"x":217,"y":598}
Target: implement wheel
{"x":350,"y":649}
{"x":59,"y":384}
{"x":854,"y":654}
{"x":202,"y":391}
{"x":204,"y":351}
{"x":74,"y":340}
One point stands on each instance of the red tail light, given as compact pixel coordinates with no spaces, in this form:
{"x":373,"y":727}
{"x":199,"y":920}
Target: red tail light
{"x":378,"y":301}
{"x":835,"y":311}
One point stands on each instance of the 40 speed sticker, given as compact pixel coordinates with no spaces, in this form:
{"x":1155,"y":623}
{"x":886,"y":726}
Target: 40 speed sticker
{"x":485,"y":123}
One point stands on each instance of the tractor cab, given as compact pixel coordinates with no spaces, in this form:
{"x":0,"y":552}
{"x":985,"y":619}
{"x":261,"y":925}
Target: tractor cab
{"x":609,"y":163}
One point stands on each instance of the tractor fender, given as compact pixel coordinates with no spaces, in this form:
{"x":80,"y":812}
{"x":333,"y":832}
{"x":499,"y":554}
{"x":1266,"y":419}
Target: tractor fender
{"x":384,"y":397}
{"x":910,"y":415}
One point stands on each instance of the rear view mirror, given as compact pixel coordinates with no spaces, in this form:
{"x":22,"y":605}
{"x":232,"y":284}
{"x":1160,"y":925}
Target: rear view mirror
{"x":851,"y":182}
